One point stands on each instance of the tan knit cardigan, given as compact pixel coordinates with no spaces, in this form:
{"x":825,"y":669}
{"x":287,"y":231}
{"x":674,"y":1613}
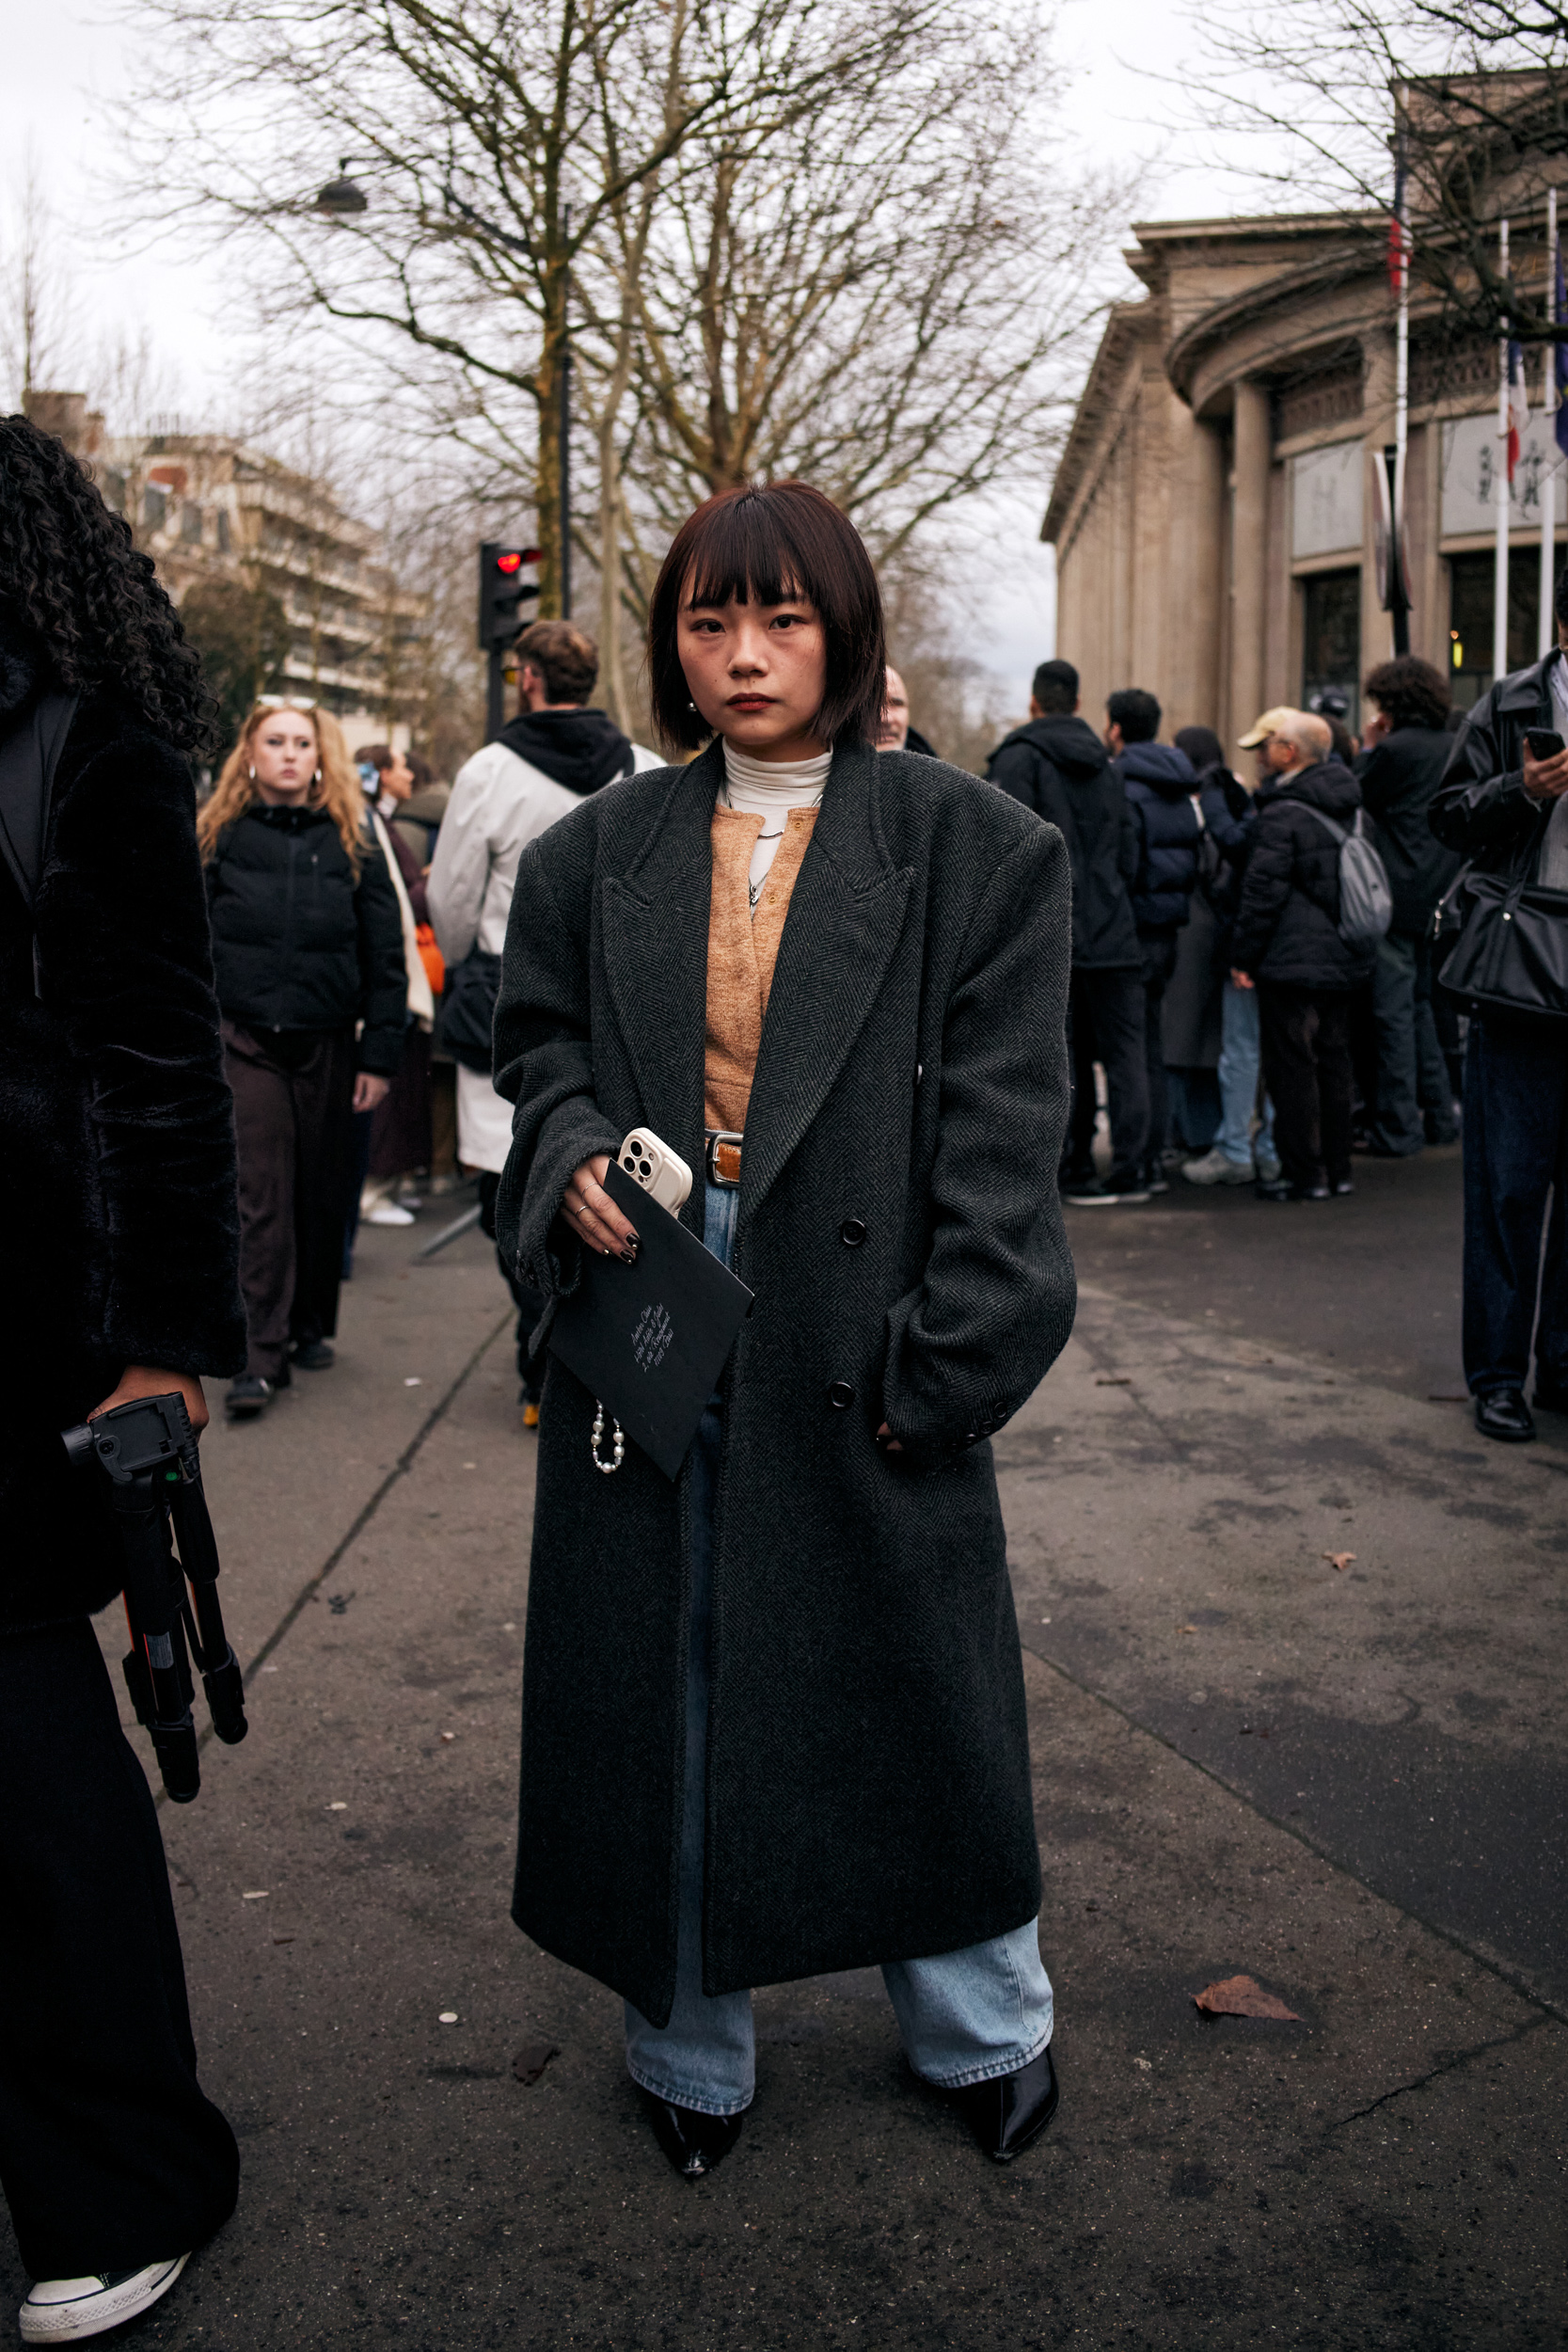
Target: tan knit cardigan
{"x":742,"y":950}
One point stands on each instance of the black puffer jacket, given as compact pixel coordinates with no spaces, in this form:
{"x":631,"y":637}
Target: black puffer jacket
{"x":1399,"y":777}
{"x":1287,"y":930}
{"x":299,"y":942}
{"x":118,"y":1212}
{"x":1160,"y":782}
{"x":1060,"y":769}
{"x":1480,"y":808}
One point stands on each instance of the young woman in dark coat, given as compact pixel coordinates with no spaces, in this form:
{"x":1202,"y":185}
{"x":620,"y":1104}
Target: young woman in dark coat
{"x":1287,"y":945}
{"x":773,"y":1715}
{"x":116,"y":1200}
{"x":307,"y":944}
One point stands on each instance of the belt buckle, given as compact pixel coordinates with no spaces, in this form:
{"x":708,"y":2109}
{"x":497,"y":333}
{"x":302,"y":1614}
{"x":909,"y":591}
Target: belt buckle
{"x":725,"y":1139}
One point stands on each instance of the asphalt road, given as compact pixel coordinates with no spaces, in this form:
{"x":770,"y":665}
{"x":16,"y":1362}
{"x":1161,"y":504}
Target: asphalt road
{"x":1235,"y":1741}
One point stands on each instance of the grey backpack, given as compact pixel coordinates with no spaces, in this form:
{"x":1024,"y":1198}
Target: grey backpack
{"x":1366,"y":901}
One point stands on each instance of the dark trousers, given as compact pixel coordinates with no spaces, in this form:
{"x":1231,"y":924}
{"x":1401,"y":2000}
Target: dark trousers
{"x":1515,"y":1157}
{"x":530,"y":1304}
{"x":293,"y":1127}
{"x":110,"y":2156}
{"x":1307,"y":1070}
{"x":1159,"y":954}
{"x":1412,"y":1080}
{"x":1105,"y":1023}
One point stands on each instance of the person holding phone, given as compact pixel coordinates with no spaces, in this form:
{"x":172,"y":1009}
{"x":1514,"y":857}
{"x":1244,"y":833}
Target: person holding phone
{"x":1503,"y":805}
{"x":773,"y":1717}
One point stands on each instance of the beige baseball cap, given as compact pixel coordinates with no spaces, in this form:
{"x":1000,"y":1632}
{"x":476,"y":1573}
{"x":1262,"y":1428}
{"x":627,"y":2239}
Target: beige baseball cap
{"x":1269,"y":723}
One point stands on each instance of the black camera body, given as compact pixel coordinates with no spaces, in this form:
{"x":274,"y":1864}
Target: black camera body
{"x":148,"y":1451}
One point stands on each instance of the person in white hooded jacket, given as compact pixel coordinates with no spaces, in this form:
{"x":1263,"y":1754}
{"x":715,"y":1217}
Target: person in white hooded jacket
{"x":551,"y":755}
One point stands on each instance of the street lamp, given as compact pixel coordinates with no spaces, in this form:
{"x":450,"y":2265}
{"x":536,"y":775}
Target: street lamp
{"x":342,"y":196}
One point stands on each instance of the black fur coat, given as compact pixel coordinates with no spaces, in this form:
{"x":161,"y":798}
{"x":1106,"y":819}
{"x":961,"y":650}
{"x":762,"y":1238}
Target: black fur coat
{"x":119,"y":1223}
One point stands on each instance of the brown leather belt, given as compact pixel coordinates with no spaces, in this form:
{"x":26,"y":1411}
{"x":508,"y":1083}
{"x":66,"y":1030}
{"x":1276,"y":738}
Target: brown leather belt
{"x":724,"y":1155}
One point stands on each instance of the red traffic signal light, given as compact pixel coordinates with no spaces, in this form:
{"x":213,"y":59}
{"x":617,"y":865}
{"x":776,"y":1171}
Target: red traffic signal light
{"x":500,"y":592}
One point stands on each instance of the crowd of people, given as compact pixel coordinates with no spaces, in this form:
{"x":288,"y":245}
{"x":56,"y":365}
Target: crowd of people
{"x":1243,"y":1037}
{"x":1253,"y":1028}
{"x":864,"y":997}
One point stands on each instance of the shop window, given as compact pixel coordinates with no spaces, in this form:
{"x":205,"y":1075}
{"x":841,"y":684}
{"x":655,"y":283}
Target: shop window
{"x":190,"y":524}
{"x":1331,"y":643}
{"x":1470,"y":579}
{"x":155,"y":507}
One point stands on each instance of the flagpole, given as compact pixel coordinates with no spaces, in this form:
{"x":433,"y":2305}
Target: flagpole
{"x":1401,"y":419}
{"x":1546,"y":635}
{"x":1499,"y":583}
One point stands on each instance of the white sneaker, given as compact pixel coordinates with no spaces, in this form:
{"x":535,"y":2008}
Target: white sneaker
{"x":1214,"y":1168}
{"x":387,"y":1212}
{"x":62,"y":2310}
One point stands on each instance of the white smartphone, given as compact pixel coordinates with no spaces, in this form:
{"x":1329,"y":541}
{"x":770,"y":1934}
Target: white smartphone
{"x":656,"y":1168}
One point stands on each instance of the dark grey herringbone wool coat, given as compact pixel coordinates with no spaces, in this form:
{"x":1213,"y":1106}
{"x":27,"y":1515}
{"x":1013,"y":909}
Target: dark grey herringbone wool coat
{"x":868,"y":1793}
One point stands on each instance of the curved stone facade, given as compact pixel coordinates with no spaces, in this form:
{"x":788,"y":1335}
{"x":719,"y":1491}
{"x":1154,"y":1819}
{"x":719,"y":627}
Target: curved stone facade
{"x":1213,"y":511}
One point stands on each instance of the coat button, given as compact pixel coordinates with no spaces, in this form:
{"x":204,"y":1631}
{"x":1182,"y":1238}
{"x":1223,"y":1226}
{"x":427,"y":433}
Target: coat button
{"x":852,"y":1232}
{"x":840,"y":1395}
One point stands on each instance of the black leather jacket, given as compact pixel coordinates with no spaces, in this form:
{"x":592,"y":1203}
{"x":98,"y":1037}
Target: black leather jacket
{"x":1481,"y":807}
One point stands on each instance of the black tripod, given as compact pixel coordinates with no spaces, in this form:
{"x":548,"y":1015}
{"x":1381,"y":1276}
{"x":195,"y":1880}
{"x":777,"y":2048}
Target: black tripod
{"x":148,"y":1451}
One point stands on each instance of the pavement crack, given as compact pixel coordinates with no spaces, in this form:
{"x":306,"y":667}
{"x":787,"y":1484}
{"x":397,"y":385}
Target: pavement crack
{"x":1517,"y":1980}
{"x":1449,"y":2066}
{"x":400,"y":1470}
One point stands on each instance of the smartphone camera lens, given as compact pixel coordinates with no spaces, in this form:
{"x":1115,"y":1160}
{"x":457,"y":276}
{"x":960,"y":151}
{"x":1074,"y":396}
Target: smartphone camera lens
{"x":630,"y":1162}
{"x":647,"y":1167}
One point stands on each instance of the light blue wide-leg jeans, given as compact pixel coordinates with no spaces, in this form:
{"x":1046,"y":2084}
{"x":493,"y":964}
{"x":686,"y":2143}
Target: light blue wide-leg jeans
{"x":1241,"y":1056}
{"x":964,"y":2016}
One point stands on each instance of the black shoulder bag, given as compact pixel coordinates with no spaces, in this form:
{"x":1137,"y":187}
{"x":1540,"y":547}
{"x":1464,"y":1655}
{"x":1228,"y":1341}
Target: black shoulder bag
{"x":29,"y":754}
{"x":1512,"y":954}
{"x":469,"y":1010}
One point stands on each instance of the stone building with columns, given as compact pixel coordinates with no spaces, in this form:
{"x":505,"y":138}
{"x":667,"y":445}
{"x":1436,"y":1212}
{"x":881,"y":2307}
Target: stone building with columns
{"x":1213,"y":513}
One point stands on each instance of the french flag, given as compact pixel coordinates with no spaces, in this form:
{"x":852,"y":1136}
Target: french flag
{"x":1518,"y":406}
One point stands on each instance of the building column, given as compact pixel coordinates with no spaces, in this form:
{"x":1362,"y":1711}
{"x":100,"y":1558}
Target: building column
{"x":1251,"y":452}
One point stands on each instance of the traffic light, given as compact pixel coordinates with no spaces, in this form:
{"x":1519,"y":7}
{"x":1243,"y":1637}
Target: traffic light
{"x":501,"y":590}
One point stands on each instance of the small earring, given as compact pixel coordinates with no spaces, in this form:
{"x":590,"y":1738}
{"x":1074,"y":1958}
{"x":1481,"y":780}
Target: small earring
{"x":317,"y":777}
{"x":253,"y":775}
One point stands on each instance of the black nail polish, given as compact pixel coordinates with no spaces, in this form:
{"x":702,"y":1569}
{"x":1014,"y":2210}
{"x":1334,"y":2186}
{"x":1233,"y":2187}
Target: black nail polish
{"x":628,"y":1257}
{"x":635,"y":1239}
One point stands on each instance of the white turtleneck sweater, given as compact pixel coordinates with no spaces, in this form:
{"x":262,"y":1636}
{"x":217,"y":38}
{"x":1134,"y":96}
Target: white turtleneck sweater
{"x":770,"y":789}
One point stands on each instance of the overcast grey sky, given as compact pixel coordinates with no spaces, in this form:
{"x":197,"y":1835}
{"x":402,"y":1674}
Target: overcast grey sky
{"x":63,"y":60}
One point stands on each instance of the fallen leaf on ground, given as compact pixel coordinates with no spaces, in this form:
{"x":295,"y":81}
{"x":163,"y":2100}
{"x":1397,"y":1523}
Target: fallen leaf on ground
{"x":532,"y":2058}
{"x":1113,"y":1380}
{"x":1186,"y":1628}
{"x":1240,"y":1996}
{"x":1341,"y":1560}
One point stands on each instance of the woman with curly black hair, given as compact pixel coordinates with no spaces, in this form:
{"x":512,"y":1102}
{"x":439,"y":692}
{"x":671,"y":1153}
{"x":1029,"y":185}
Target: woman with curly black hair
{"x":117,"y":1198}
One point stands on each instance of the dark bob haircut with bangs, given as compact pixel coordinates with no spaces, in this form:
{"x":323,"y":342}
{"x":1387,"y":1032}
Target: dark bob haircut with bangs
{"x":764,"y":545}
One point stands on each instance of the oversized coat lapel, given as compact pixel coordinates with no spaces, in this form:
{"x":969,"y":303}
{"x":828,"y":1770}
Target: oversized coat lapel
{"x":845,"y":919}
{"x":655,"y":920}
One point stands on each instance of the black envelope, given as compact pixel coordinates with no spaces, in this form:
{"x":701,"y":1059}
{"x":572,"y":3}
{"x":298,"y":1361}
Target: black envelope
{"x":650,"y":1339}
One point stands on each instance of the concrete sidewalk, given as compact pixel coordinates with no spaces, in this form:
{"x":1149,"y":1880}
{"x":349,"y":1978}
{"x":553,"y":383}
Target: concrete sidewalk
{"x":1385,"y":2172}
